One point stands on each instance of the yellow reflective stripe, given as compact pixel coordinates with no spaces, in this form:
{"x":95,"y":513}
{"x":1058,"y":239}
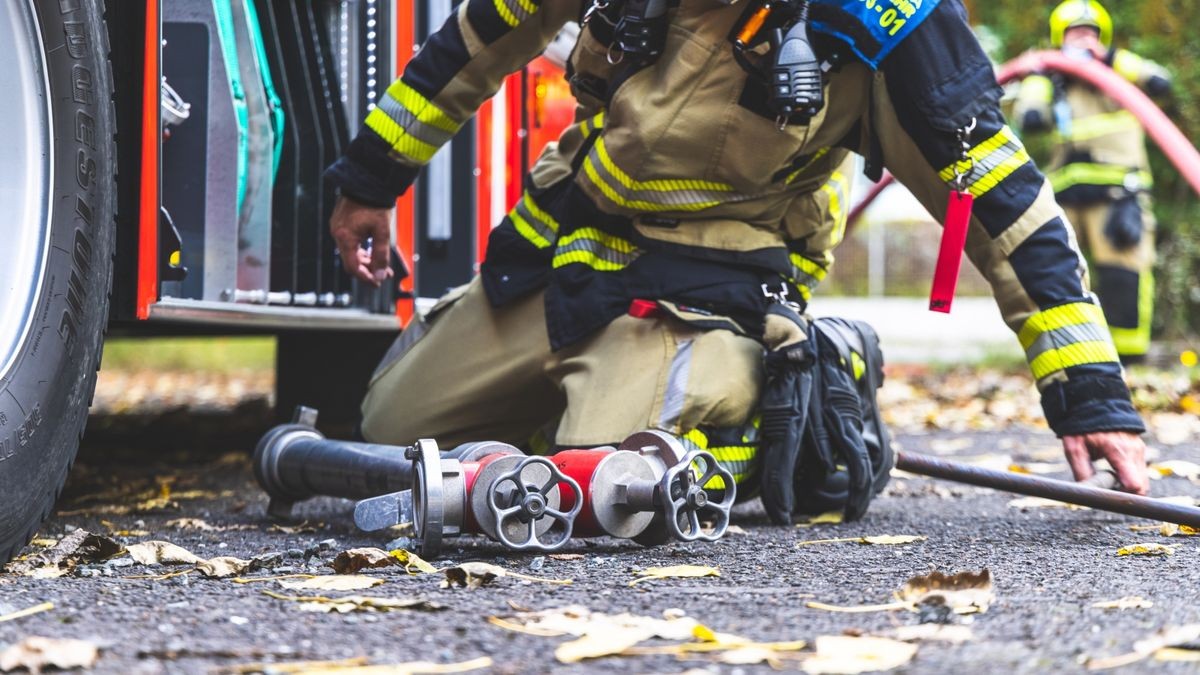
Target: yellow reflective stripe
{"x":836,"y":187}
{"x":1136,"y":341}
{"x":659,"y":185}
{"x":1084,"y":173}
{"x":534,"y":223}
{"x":817,"y":155}
{"x":672,"y":194}
{"x":528,"y":231}
{"x":410,"y":123}
{"x":514,"y":12}
{"x":1128,"y":65}
{"x":592,"y":124}
{"x":400,"y":140}
{"x":1103,"y":124}
{"x":599,"y":250}
{"x":1069,"y":335}
{"x":739,"y":460}
{"x":991,"y":162}
{"x":1039,"y":88}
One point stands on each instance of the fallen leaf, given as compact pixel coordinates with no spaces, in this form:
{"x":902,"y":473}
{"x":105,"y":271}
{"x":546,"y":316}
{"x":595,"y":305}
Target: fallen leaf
{"x":1165,"y":640}
{"x":566,"y":556}
{"x":474,"y":575}
{"x":1173,"y":530}
{"x":1043,"y":503}
{"x":935,"y":632}
{"x":1148,"y":549}
{"x":294,"y":666}
{"x":848,"y":655}
{"x":349,"y":562}
{"x":675,"y":572}
{"x":613,"y":640}
{"x":356,"y":603}
{"x":827,"y":518}
{"x":334,"y":582}
{"x":254,"y":580}
{"x":28,"y":611}
{"x":857,"y":609}
{"x":412,"y":561}
{"x":191,"y":524}
{"x":961,"y":593}
{"x":58,"y":560}
{"x":302,"y":528}
{"x":881,"y":540}
{"x":1176,"y":467}
{"x":1177,"y":654}
{"x":221,"y":567}
{"x":161,"y":553}
{"x":42,"y":542}
{"x":38,"y":653}
{"x":1127,"y":602}
{"x":950,"y":445}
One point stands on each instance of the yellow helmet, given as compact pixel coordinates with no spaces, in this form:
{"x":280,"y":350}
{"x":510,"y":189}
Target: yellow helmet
{"x":1074,"y":13}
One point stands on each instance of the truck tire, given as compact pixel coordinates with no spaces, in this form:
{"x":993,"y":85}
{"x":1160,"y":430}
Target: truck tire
{"x":56,"y":258}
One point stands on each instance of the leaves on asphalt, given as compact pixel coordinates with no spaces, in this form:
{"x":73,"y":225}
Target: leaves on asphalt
{"x":1127,"y":602}
{"x":413,"y":563}
{"x":303,"y":528}
{"x":827,"y":518}
{"x":355,"y":559}
{"x":159,"y":552}
{"x":845,"y":655}
{"x":1148,"y":548}
{"x":472,"y":575}
{"x":961,"y":593}
{"x":201,"y":525}
{"x":333,"y":582}
{"x":28,"y":611}
{"x":1175,"y":643}
{"x":356,"y":603}
{"x":60,"y":559}
{"x":36,"y":654}
{"x":675,"y":572}
{"x":1025,"y":503}
{"x":222,"y":567}
{"x":879,"y":540}
{"x":1167,"y":529}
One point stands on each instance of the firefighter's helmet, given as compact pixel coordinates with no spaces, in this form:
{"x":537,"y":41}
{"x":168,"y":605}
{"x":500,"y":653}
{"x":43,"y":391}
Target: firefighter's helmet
{"x":1074,"y":13}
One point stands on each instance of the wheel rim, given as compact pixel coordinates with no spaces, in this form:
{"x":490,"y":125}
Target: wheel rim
{"x":25,"y":174}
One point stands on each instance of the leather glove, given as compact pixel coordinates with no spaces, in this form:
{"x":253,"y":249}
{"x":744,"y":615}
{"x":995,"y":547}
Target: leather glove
{"x":784,"y":409}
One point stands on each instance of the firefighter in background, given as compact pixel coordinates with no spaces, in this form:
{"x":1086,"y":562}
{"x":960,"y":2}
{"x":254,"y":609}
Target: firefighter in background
{"x":673,"y":233}
{"x":1099,"y":168}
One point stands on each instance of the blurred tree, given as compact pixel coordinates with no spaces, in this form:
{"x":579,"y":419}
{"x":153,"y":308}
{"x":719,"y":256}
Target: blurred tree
{"x":1161,"y":30}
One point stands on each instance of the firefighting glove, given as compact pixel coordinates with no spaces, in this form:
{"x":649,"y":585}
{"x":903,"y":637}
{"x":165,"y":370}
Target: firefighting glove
{"x":784,"y":407}
{"x":1124,"y":225}
{"x":847,"y":457}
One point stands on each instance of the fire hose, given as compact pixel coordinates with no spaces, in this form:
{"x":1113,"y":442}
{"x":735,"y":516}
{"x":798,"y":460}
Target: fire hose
{"x":1174,"y":145}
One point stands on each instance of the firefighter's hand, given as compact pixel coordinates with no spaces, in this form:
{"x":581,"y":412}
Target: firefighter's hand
{"x":354,"y":224}
{"x":1125,"y":452}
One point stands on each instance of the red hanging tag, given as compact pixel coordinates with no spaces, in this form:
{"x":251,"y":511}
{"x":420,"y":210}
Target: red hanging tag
{"x":949,"y":261}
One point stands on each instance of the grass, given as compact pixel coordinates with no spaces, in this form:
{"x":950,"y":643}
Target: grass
{"x":211,"y":354}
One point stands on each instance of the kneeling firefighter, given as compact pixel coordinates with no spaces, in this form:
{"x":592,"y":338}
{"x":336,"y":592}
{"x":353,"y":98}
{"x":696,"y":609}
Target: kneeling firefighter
{"x":655,"y":272}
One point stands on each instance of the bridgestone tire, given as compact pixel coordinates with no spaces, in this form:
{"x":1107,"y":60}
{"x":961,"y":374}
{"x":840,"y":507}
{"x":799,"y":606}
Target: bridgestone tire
{"x":47,"y":388}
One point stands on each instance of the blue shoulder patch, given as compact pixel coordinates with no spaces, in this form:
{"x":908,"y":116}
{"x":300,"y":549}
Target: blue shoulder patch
{"x":872,"y":28}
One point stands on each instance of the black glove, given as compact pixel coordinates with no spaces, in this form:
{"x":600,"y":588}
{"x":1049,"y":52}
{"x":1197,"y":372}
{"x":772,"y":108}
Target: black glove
{"x":784,"y":409}
{"x":1124,"y":226}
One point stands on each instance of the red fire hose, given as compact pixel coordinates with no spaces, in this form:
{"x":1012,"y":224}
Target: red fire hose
{"x":1166,"y":135}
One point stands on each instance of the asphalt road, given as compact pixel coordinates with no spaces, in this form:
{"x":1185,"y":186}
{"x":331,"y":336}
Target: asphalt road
{"x":1049,"y":567}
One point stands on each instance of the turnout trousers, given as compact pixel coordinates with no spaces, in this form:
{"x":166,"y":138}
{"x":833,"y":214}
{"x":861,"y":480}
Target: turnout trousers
{"x":472,"y":372}
{"x":1123,"y":278}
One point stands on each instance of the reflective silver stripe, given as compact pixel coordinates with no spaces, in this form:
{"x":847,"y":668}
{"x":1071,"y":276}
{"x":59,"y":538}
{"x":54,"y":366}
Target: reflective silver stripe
{"x":412,"y":126}
{"x":677,"y":380}
{"x":683,"y":197}
{"x":1059,"y":337}
{"x":546,"y":230}
{"x":598,"y":250}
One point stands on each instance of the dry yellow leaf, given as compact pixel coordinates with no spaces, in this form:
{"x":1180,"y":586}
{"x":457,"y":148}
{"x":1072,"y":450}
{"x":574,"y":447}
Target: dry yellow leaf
{"x":963,"y":593}
{"x":355,"y":603}
{"x":355,"y":559}
{"x":473,"y":575}
{"x":843,"y":655}
{"x":221,"y":567}
{"x":1163,"y":642}
{"x":857,"y":609}
{"x":333,"y":582}
{"x":1147,"y":549}
{"x":412,"y":561}
{"x":28,"y":611}
{"x":614,"y":640}
{"x":36,"y":654}
{"x":1127,"y":602}
{"x":358,"y":666}
{"x":827,"y":518}
{"x":1043,"y":503}
{"x":161,"y":553}
{"x":676,"y":572}
{"x":1177,"y":654}
{"x":1176,"y":467}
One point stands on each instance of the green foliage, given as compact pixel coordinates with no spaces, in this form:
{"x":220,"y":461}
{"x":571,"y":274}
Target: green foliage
{"x":210,"y":354}
{"x":1164,"y":31}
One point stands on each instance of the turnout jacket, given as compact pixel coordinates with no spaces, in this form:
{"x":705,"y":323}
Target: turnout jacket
{"x":676,"y":184}
{"x":1099,"y":145}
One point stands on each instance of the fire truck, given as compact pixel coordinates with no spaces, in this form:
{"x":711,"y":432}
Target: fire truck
{"x":163,"y":175}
